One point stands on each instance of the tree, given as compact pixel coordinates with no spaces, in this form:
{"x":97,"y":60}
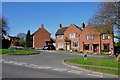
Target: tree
{"x":4,"y":26}
{"x":4,"y":31}
{"x":22,"y":36}
{"x":28,"y":39}
{"x":108,"y":13}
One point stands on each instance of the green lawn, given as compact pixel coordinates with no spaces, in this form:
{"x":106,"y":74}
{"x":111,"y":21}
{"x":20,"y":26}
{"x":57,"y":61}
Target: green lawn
{"x":95,"y":61}
{"x":104,"y":70}
{"x":17,"y":52}
{"x":107,"y":65}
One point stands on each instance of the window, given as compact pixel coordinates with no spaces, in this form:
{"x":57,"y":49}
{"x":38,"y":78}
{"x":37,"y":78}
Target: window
{"x":106,"y":46}
{"x":86,"y":46}
{"x":75,"y":44}
{"x":72,"y":35}
{"x":89,"y":37}
{"x":106,"y":36}
{"x":60,"y":45}
{"x":60,"y":36}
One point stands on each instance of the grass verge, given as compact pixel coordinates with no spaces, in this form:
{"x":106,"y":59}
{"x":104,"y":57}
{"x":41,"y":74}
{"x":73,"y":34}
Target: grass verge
{"x":96,"y":62}
{"x":17,"y":52}
{"x":104,"y":70}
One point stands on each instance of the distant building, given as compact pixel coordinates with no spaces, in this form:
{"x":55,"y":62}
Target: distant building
{"x":41,"y":37}
{"x":12,"y":39}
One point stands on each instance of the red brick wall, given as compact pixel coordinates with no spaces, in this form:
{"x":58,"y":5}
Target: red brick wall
{"x":81,"y":36}
{"x":59,"y":41}
{"x":96,"y":40}
{"x":109,"y":41}
{"x":71,"y":29}
{"x":83,"y":39}
{"x":40,"y":37}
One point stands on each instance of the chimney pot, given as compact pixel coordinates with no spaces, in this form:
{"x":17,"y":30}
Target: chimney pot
{"x":60,"y":26}
{"x":83,"y":25}
{"x":42,"y":26}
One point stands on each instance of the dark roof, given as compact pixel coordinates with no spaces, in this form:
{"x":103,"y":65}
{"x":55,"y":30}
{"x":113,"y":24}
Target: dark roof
{"x":13,"y":37}
{"x":61,"y":31}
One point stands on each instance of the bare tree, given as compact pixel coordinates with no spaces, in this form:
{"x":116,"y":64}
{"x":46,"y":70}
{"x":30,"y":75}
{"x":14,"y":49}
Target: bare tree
{"x":4,"y":26}
{"x":108,"y":13}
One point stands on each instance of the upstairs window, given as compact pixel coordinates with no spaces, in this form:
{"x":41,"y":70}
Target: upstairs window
{"x":106,"y":36}
{"x":89,"y":37}
{"x":60,"y":36}
{"x":72,"y":35}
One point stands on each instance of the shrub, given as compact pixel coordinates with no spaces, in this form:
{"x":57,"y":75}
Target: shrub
{"x":61,"y":49}
{"x":105,"y":50}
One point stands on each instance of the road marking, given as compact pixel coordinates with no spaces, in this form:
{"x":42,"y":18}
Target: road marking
{"x":17,"y":63}
{"x":9,"y":62}
{"x":59,"y":69}
{"x":75,"y":71}
{"x":95,"y":75}
{"x":33,"y":66}
{"x":44,"y":67}
{"x":1,"y":60}
{"x":22,"y":63}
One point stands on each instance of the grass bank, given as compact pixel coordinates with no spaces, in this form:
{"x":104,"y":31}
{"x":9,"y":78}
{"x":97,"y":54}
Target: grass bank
{"x":104,"y":70}
{"x":97,"y":64}
{"x":17,"y":52}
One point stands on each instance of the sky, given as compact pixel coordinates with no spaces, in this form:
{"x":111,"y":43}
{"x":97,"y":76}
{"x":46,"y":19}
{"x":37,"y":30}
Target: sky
{"x":24,"y":16}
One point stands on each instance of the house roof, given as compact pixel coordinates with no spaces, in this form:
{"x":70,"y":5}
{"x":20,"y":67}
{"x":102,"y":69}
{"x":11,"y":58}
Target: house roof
{"x":13,"y":37}
{"x":40,"y":29}
{"x":61,"y":31}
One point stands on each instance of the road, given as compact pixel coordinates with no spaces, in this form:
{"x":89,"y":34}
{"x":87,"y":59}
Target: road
{"x":43,"y":65}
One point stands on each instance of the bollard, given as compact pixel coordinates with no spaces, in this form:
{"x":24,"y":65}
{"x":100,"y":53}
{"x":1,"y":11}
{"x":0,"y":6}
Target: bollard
{"x":85,"y":56}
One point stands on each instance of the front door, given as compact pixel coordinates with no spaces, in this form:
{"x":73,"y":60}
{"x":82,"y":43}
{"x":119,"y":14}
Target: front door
{"x":67,"y":45}
{"x":95,"y":48}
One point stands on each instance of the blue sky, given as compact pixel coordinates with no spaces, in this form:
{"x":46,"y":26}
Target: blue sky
{"x":24,"y":16}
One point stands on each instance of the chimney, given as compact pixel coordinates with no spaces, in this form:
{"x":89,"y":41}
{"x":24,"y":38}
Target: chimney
{"x":42,"y":26}
{"x":83,"y":26}
{"x":60,"y":26}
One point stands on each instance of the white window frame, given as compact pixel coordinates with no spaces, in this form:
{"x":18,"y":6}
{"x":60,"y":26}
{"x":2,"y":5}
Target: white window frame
{"x":60,"y":45}
{"x":60,"y":36}
{"x":89,"y":37}
{"x":105,"y":36}
{"x":72,"y":35}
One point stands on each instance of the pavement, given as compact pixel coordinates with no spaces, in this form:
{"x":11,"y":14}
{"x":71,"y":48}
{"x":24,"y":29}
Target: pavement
{"x":47,"y":64}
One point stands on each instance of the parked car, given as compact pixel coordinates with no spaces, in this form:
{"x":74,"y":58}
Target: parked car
{"x":49,"y":47}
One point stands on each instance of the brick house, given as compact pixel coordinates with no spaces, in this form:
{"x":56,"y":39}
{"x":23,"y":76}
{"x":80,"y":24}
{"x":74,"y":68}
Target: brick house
{"x":40,"y":37}
{"x":85,"y":39}
{"x":96,"y":39}
{"x":68,"y":37}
